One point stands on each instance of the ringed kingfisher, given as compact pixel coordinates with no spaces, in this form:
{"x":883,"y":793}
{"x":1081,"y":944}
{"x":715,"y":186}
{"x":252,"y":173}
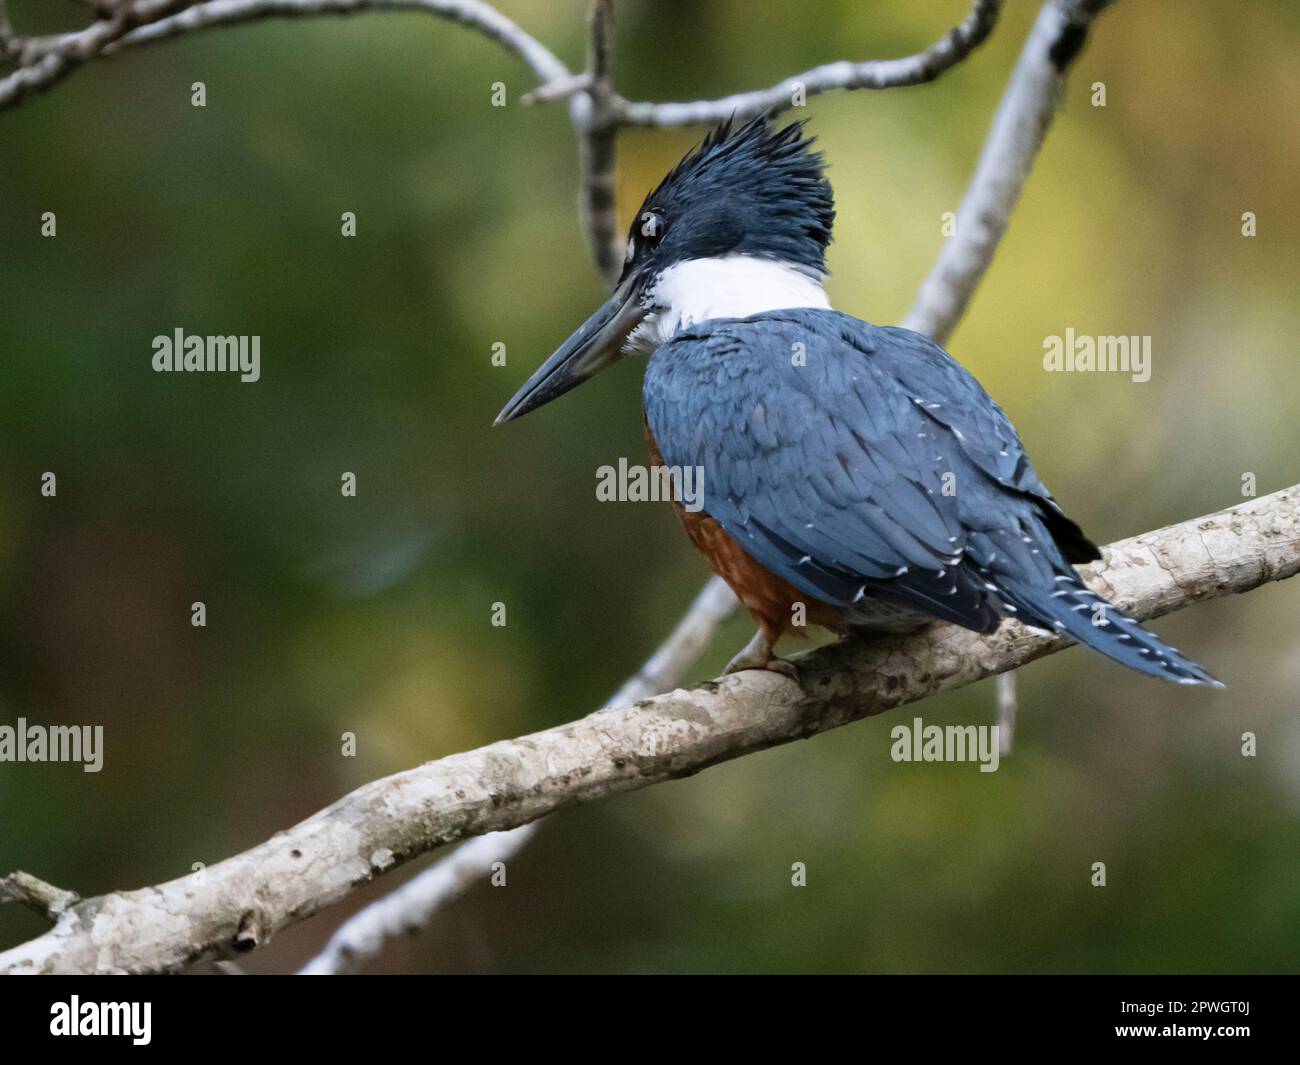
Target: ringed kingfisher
{"x":856,"y":469}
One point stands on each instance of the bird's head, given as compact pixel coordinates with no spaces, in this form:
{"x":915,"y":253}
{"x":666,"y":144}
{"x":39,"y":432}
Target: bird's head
{"x":739,"y":226}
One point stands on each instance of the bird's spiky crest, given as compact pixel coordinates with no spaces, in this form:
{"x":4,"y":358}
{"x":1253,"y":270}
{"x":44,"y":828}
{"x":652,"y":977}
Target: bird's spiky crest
{"x":748,"y":188}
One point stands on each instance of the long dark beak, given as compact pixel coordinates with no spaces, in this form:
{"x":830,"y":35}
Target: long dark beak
{"x":595,"y":345}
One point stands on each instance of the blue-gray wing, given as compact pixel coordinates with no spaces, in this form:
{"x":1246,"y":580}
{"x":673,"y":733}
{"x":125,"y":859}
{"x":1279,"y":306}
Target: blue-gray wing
{"x":852,"y":461}
{"x":926,"y":373}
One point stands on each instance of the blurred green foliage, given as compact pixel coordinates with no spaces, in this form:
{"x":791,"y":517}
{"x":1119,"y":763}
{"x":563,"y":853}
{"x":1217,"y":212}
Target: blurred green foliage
{"x":371,"y":615}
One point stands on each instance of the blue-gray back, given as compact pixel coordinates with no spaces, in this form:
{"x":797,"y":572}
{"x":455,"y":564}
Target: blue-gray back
{"x":857,"y":461}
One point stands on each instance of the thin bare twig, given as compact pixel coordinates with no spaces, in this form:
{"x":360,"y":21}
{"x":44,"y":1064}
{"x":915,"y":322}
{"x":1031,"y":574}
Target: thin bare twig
{"x":560,"y":89}
{"x":925,"y":66}
{"x":472,"y":14}
{"x":408,"y":909}
{"x":138,"y":22}
{"x":1019,"y":126}
{"x":42,"y":64}
{"x":598,"y":143}
{"x":46,"y":899}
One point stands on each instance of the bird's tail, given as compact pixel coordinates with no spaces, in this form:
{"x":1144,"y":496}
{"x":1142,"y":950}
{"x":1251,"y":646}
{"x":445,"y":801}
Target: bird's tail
{"x":1071,"y":609}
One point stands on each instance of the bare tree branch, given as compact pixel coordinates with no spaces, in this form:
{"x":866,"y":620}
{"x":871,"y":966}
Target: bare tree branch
{"x":559,"y":89}
{"x":472,"y":14}
{"x":1019,"y":126}
{"x":239,"y":903}
{"x":34,"y":893}
{"x":925,"y":66}
{"x":597,"y":126}
{"x":42,"y":62}
{"x":408,"y":909}
{"x":137,"y":22}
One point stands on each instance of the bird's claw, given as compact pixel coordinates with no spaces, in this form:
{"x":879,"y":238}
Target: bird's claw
{"x":785,"y":667}
{"x":770,"y":663}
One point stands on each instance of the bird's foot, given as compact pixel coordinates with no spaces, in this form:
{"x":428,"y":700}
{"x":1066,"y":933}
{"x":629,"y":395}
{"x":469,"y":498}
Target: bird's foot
{"x":757,"y":654}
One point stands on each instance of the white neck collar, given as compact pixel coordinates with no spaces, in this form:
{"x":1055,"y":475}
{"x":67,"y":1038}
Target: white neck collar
{"x":732,"y":286}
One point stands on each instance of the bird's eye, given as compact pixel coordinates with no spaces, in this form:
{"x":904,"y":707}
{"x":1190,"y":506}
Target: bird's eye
{"x":651,"y":227}
{"x":646,"y":233}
